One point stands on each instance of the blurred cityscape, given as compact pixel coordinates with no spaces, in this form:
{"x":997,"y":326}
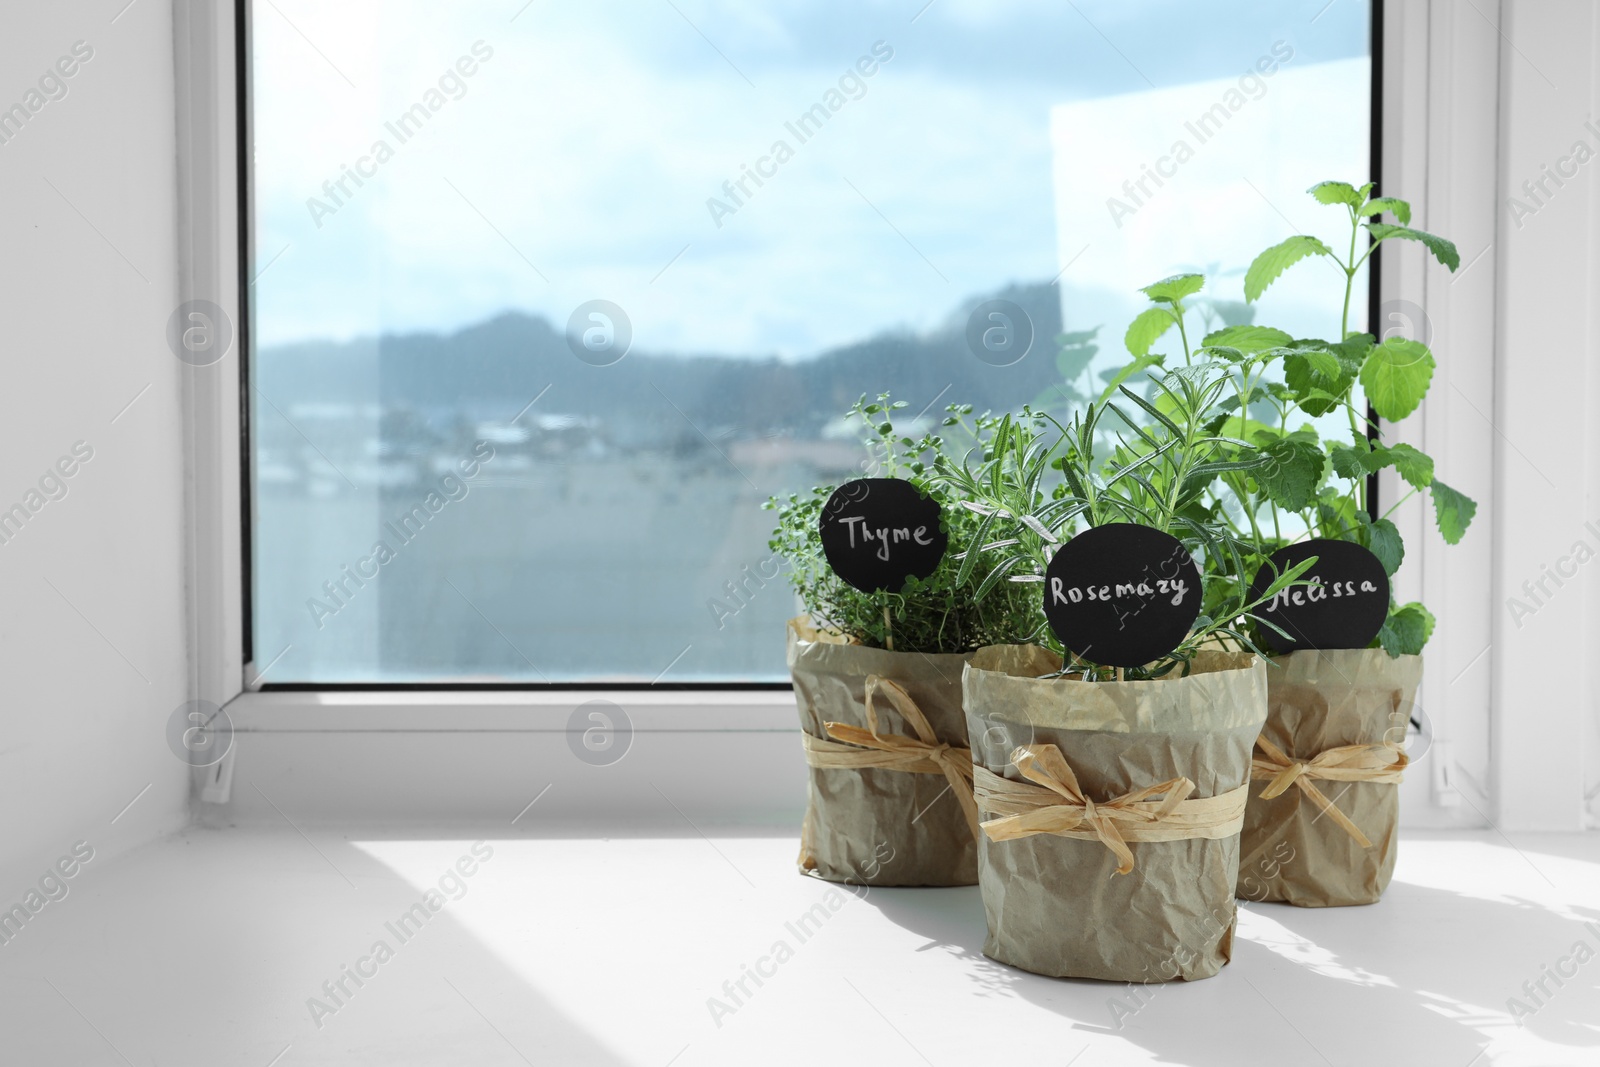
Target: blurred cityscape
{"x":620,"y":507}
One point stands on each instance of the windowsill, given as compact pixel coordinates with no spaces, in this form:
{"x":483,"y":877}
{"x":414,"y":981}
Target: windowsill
{"x":516,"y":711}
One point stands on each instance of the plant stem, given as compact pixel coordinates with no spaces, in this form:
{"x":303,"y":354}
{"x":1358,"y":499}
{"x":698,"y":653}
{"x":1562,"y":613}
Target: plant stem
{"x":1397,"y":503}
{"x":1349,"y":273}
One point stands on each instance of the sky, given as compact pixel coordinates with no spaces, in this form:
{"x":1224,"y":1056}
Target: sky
{"x":577,"y":160}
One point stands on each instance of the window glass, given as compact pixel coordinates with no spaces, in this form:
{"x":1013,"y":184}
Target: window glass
{"x":547,"y":299}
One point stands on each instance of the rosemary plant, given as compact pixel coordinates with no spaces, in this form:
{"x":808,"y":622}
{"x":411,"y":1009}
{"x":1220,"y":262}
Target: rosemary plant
{"x":1035,"y":482}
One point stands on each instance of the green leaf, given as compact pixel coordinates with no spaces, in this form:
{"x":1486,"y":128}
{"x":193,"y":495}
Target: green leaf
{"x":1453,"y":511}
{"x":1349,"y":462}
{"x":1415,"y":466}
{"x":1352,"y":351}
{"x":1400,"y":209}
{"x":1324,"y":366}
{"x":1406,"y":630}
{"x":1337,"y":515}
{"x":1146,"y":329}
{"x":1292,"y":473}
{"x":1247,"y":339}
{"x":1168,"y":290}
{"x":1442,"y":250}
{"x":1277,"y":259}
{"x":1383,"y":538}
{"x":1336,"y":193}
{"x":1319,"y":379}
{"x":1396,"y":376}
{"x":1122,"y":374}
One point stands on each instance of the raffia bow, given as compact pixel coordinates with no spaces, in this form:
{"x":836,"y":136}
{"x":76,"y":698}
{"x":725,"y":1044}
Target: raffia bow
{"x":1057,"y":805}
{"x":851,"y":747}
{"x":1380,"y":763}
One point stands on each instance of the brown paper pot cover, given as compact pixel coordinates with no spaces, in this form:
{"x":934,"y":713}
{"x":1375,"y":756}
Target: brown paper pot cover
{"x":1052,"y":903}
{"x":862,"y":826}
{"x":1317,"y":700}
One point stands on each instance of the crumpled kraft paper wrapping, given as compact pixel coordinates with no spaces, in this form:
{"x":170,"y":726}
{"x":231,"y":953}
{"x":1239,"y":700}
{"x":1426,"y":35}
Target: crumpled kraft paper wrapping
{"x":863,"y":826}
{"x":1317,"y":700}
{"x":1052,"y":903}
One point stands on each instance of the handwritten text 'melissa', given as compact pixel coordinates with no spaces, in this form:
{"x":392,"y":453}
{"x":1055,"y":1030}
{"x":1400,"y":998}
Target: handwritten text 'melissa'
{"x":883,"y":535}
{"x":1316,"y":591}
{"x":1062,"y":594}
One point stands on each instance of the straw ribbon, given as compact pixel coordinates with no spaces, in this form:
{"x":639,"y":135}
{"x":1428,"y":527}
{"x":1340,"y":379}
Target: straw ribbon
{"x":853,"y":748}
{"x":1052,"y":802}
{"x":1381,"y":763}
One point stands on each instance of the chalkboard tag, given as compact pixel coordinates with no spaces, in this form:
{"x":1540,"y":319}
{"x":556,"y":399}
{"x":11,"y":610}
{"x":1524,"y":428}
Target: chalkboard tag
{"x":877,"y":532}
{"x":1343,"y":606}
{"x":1122,"y":595}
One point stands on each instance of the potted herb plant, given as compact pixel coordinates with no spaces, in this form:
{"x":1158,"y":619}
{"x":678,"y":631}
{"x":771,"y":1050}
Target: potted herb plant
{"x":1112,"y":757}
{"x":1321,"y":826}
{"x":877,"y":664}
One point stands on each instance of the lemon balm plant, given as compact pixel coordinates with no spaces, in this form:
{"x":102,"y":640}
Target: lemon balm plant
{"x":1310,"y":485}
{"x":1336,"y":711}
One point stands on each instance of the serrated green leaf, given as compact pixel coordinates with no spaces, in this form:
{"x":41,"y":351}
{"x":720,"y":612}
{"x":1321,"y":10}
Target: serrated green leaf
{"x":1396,"y":376}
{"x":1318,"y":377}
{"x":1146,"y":329}
{"x":1442,"y":250}
{"x":1277,"y":259}
{"x":1348,"y":462}
{"x":1292,"y":473}
{"x":1352,"y":351}
{"x":1400,"y":209}
{"x":1247,"y":339}
{"x":1384,"y":540}
{"x":1406,"y":630}
{"x":1324,"y":366}
{"x":1336,"y":193}
{"x":1452,"y":510}
{"x":1174,"y":288}
{"x":1415,"y":466}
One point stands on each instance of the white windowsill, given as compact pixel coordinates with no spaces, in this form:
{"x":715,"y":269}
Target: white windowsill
{"x":516,"y":711}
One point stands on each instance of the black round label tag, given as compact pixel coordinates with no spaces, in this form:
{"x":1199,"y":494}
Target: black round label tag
{"x":1122,"y":595}
{"x":877,"y":532}
{"x":1343,"y":607}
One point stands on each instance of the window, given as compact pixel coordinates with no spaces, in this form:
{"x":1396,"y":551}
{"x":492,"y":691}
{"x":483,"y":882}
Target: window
{"x":548,"y":299}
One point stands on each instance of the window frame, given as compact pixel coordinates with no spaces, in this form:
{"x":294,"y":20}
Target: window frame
{"x":233,"y":80}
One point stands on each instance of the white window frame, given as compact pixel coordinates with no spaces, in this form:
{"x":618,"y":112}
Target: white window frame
{"x":1452,"y":85}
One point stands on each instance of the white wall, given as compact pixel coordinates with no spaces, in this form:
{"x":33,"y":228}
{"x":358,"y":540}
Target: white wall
{"x":91,"y":631}
{"x":1547,"y":444}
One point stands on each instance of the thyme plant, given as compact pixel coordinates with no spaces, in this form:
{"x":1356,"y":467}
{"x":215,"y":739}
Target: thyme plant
{"x":938,"y":614}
